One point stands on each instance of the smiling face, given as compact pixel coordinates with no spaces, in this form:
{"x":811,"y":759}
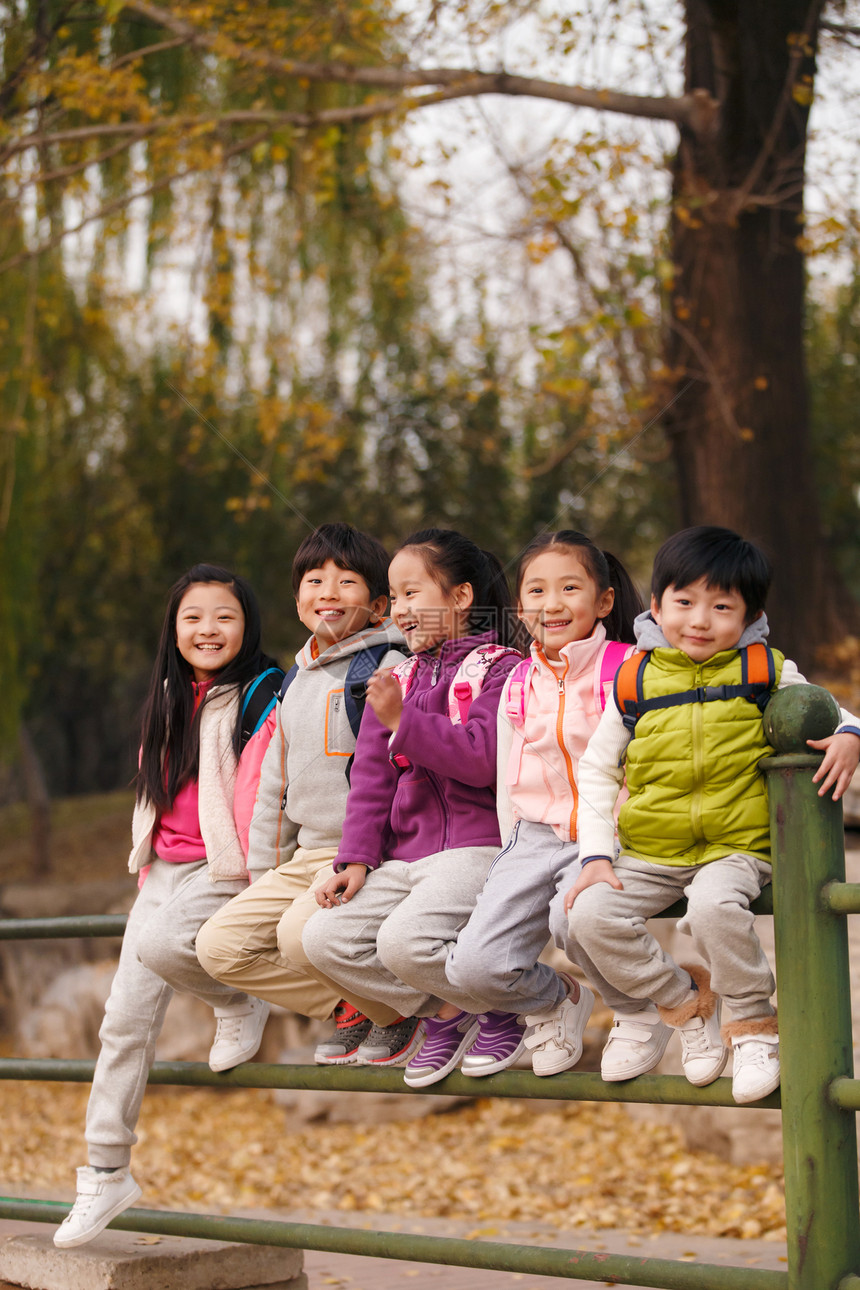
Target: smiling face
{"x":426,"y":613}
{"x":210,"y":627}
{"x":559,"y":601}
{"x":700,"y":620}
{"x":334,"y":603}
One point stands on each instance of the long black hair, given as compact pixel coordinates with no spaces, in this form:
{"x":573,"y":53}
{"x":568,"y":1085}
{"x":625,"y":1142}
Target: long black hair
{"x":170,"y":728}
{"x":452,"y":559}
{"x":606,"y":570}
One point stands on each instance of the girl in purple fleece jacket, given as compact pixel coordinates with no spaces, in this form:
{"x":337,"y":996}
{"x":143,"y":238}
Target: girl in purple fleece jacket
{"x":421,"y":826}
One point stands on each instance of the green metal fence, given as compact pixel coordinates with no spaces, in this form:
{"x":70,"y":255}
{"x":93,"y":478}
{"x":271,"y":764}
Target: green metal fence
{"x":819,"y":1095}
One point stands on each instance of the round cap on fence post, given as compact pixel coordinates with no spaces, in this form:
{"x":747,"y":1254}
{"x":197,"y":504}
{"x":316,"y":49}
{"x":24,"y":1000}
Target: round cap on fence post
{"x":798,"y":713}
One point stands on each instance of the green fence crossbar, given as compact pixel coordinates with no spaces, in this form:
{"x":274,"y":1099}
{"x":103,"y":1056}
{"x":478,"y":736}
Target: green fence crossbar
{"x":27,"y":929}
{"x":582,"y":1086}
{"x":586,"y":1265}
{"x":841,"y":897}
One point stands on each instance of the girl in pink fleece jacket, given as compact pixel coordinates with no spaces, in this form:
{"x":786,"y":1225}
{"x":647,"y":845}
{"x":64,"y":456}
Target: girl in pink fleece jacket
{"x":578,"y":603}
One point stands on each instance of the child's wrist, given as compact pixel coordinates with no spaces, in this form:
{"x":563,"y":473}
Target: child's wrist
{"x":591,"y":859}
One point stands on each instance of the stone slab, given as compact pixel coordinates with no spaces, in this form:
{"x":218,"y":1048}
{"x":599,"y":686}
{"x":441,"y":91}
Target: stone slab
{"x":131,"y":1261}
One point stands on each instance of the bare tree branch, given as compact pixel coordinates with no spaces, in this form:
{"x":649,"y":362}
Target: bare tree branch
{"x":686,"y":110}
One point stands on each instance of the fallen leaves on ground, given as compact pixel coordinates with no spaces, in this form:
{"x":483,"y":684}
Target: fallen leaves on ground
{"x":583,"y":1164}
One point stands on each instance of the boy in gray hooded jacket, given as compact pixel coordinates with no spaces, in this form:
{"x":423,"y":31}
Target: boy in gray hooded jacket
{"x":340,"y":581}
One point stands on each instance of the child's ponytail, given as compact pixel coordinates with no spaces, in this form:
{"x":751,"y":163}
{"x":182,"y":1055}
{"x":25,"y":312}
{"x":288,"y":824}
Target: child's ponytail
{"x":606,"y":570}
{"x":628,"y":603}
{"x":453,"y":559}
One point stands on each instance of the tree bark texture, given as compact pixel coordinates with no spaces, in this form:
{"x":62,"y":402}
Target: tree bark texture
{"x":740,"y":431}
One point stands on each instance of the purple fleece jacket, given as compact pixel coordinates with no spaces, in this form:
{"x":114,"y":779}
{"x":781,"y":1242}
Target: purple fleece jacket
{"x":446,"y":798}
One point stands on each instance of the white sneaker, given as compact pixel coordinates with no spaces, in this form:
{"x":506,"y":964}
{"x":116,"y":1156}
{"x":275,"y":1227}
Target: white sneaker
{"x":100,"y":1198}
{"x":555,"y":1043}
{"x":756,"y":1067}
{"x":238,"y":1034}
{"x":703,"y":1053}
{"x":635,"y":1045}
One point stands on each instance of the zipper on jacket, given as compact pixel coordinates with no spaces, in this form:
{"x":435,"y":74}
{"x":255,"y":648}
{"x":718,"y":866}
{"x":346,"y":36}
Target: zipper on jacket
{"x":434,"y":675}
{"x":568,"y":764}
{"x":698,"y":749}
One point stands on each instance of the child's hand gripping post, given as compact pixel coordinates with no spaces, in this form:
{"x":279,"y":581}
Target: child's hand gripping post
{"x":597,"y":870}
{"x":341,"y":887}
{"x":385,"y":697}
{"x":841,"y":755}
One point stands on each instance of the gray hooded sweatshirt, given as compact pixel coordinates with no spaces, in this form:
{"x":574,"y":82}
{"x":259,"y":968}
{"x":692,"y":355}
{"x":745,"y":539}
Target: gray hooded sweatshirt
{"x":301,"y":800}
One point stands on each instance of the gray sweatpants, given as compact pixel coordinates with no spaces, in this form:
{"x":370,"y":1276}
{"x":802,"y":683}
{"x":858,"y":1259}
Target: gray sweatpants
{"x":612,"y":945}
{"x":496,"y":954}
{"x":157,"y":957}
{"x":391,"y":941}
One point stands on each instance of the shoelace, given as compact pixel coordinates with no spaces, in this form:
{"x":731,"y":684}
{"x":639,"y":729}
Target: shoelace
{"x":695,"y":1041}
{"x":228,"y":1030}
{"x":753,"y":1053}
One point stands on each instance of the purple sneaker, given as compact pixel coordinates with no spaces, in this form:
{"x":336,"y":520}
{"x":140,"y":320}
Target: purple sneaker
{"x":497,"y":1045}
{"x":444,"y":1045}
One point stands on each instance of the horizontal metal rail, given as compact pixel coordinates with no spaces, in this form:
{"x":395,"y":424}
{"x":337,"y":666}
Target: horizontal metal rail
{"x":29,"y":929}
{"x":841,"y":897}
{"x":584,"y":1086}
{"x":585,"y":1265}
{"x":845,"y":1093}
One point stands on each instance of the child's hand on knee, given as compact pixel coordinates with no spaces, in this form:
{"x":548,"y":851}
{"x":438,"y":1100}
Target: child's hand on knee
{"x":595,"y":871}
{"x":385,"y":697}
{"x":342,"y":886}
{"x":841,"y":754}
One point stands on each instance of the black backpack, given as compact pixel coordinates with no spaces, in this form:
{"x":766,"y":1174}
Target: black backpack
{"x":361,"y":668}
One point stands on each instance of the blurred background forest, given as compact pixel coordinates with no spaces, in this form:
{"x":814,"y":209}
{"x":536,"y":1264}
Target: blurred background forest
{"x":264,"y":265}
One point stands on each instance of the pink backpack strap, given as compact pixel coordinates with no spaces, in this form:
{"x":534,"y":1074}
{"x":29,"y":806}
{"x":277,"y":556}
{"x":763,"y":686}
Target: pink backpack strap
{"x":469,"y":677}
{"x":515,"y":693}
{"x":405,"y":674}
{"x":611,"y":658}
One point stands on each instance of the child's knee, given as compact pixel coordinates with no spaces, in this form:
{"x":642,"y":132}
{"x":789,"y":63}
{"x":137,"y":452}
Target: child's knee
{"x":161,"y":953}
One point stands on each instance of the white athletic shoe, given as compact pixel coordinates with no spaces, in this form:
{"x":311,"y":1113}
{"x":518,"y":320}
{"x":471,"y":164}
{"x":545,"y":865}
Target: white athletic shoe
{"x":703,"y":1053}
{"x":635,"y":1045}
{"x":101,"y":1197}
{"x":756,"y":1067}
{"x":555,"y":1043}
{"x":238,"y":1034}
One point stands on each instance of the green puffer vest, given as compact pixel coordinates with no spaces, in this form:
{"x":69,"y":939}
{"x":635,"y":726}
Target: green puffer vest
{"x":696,"y":793}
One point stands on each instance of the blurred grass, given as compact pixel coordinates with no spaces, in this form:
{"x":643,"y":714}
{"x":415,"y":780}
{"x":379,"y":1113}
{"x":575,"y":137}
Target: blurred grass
{"x":90,"y":838}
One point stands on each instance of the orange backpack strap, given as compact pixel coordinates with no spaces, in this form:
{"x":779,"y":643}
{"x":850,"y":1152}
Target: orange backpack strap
{"x":758,"y":672}
{"x":629,"y":695}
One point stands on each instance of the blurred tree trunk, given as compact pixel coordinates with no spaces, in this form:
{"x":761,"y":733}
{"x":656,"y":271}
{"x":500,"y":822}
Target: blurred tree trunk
{"x":740,"y":432}
{"x":39,"y":803}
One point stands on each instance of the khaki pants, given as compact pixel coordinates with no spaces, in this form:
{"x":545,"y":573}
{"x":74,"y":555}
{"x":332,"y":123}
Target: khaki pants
{"x":255,"y":942}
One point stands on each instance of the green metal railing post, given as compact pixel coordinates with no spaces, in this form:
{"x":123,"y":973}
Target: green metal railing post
{"x":819,"y":1138}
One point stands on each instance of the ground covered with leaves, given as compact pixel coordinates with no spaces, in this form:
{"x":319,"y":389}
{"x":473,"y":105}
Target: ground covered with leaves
{"x":489,"y":1162}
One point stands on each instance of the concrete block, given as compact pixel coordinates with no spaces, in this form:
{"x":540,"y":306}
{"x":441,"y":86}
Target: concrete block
{"x":131,"y":1261}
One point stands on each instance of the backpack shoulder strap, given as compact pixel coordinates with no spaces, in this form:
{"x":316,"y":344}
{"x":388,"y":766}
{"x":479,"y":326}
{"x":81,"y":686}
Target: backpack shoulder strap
{"x":758,"y":671}
{"x":362,"y":665}
{"x":629,"y":695}
{"x":514,"y":693}
{"x":469,"y":677}
{"x":288,"y":680}
{"x":259,"y":699}
{"x":611,"y":658}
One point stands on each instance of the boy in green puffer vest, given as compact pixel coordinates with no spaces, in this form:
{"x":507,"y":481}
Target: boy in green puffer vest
{"x":686,"y":726}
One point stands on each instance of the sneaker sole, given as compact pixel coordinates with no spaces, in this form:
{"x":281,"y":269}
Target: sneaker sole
{"x":220,"y":1067}
{"x":494,"y":1067}
{"x":344,"y":1059}
{"x":100,"y":1226}
{"x":396,"y":1059}
{"x":433,"y":1077}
